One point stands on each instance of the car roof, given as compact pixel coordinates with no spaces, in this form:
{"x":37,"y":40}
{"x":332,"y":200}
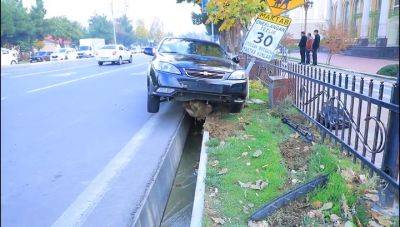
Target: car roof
{"x":192,"y":39}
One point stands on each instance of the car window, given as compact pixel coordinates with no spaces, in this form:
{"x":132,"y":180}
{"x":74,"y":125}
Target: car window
{"x":4,"y":51}
{"x":121,"y":48}
{"x":109,"y":47}
{"x":183,"y":46}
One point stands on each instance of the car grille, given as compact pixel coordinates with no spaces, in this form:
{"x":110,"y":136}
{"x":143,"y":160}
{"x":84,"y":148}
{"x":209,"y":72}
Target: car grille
{"x":205,"y":73}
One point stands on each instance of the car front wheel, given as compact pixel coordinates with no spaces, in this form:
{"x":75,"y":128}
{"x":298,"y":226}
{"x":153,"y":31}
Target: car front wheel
{"x":130,"y":59}
{"x":100,"y":63}
{"x":153,"y":103}
{"x":120,"y":61}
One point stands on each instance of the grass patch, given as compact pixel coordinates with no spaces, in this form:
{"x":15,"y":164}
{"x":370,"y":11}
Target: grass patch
{"x":261,"y":129}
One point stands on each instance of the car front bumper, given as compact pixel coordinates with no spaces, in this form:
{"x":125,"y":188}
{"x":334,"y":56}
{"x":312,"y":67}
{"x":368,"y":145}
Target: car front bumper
{"x":185,"y":88}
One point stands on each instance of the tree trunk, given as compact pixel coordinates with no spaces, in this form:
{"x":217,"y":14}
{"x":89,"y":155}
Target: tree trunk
{"x":231,"y":39}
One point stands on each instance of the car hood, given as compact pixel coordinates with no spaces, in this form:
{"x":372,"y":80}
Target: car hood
{"x":199,"y":62}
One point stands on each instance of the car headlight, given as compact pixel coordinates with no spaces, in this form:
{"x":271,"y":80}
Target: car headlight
{"x":237,"y":75}
{"x":166,"y":67}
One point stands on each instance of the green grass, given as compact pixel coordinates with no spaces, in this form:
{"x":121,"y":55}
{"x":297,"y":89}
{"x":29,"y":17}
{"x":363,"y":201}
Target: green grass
{"x":266,"y":133}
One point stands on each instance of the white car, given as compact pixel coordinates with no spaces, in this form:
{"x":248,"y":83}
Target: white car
{"x":114,"y":54}
{"x":9,"y":57}
{"x":64,"y":54}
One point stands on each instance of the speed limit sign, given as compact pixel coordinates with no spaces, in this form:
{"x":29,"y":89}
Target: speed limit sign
{"x":265,"y":35}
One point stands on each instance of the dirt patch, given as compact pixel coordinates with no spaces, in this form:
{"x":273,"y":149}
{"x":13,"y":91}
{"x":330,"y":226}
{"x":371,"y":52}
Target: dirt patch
{"x":291,"y":214}
{"x":221,"y":128}
{"x":296,"y":152}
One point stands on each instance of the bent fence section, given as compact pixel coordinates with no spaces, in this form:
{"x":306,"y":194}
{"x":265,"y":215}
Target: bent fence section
{"x":360,"y":114}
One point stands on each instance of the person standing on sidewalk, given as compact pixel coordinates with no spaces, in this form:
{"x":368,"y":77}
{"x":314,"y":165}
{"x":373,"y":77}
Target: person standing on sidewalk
{"x":302,"y":46}
{"x":309,"y":47}
{"x":315,"y":46}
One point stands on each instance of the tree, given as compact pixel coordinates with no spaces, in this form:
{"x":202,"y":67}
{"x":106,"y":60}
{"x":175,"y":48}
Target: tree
{"x":335,"y":39}
{"x":100,"y":27}
{"x":156,"y":30}
{"x":235,"y":17}
{"x":124,"y":31}
{"x":141,"y":32}
{"x":36,"y":16}
{"x":64,"y":29}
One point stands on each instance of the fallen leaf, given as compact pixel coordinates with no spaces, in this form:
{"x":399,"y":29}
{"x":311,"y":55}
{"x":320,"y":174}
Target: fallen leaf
{"x":345,"y":208}
{"x":358,"y":222}
{"x":372,"y":223}
{"x":327,"y":206}
{"x":250,"y":205}
{"x":316,"y":204}
{"x":259,"y":185}
{"x":385,"y":221}
{"x":213,"y":192}
{"x":218,"y":220}
{"x":293,"y":171}
{"x":223,"y":171}
{"x":295,"y":181}
{"x":214,"y":163}
{"x":246,"y":210}
{"x":244,"y":185}
{"x":372,"y":197}
{"x":348,"y":175}
{"x":322,"y":166}
{"x":247,"y":163}
{"x":257,"y":223}
{"x":257,"y":170}
{"x":349,"y":224}
{"x":264,"y":166}
{"x":296,"y":135}
{"x":315,"y":214}
{"x":335,"y":220}
{"x":257,"y":154}
{"x":306,"y":148}
{"x":244,"y":154}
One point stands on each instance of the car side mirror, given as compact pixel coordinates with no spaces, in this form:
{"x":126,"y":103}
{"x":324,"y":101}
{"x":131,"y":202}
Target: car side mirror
{"x":149,"y":51}
{"x":236,"y":59}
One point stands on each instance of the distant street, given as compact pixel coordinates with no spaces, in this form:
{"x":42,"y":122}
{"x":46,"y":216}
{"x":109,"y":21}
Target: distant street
{"x":69,"y":129}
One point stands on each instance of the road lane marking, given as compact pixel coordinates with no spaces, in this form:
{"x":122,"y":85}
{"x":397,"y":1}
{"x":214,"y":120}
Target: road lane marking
{"x":50,"y":71}
{"x":79,"y":79}
{"x":77,"y":213}
{"x":64,"y":74}
{"x":139,"y":73}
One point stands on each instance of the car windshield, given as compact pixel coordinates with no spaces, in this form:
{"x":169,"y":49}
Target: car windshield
{"x":108,"y":47}
{"x":184,"y":46}
{"x":83,"y":48}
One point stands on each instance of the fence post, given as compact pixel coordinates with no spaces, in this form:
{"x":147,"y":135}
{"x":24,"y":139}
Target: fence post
{"x":390,"y":162}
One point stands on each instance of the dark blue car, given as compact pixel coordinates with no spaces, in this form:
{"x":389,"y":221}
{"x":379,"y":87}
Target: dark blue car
{"x":184,"y":69}
{"x":41,"y":56}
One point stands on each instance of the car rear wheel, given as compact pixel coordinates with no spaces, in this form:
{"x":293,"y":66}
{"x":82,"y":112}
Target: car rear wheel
{"x":13,"y":62}
{"x":236,"y":107}
{"x":130,"y":59}
{"x":120,"y":61}
{"x":100,"y":63}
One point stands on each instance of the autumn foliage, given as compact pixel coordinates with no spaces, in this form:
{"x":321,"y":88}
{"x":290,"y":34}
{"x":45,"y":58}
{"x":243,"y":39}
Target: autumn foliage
{"x":335,"y":39}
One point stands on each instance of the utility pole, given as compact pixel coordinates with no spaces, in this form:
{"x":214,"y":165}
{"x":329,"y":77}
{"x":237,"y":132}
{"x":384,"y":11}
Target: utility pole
{"x":308,"y":4}
{"x":113,"y":20}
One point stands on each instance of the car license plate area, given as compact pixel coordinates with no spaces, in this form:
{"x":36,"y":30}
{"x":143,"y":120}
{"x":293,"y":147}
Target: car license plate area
{"x":204,"y":87}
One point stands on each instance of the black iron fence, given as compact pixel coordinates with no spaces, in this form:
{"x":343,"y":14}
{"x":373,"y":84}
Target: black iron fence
{"x":360,"y":114}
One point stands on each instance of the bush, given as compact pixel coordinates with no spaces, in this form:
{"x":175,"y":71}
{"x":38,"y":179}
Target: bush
{"x":389,"y":70}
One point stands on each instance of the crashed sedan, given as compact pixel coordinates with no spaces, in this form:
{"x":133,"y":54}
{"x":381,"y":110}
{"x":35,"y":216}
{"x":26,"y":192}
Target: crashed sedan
{"x":184,"y":69}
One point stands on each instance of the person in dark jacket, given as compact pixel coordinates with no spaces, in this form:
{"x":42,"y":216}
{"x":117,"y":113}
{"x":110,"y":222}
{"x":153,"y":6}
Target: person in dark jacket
{"x":302,"y":46}
{"x":315,"y":46}
{"x":309,"y":48}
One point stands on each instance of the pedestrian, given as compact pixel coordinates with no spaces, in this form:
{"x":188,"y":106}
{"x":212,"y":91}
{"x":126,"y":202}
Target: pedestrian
{"x":302,"y":46}
{"x":315,"y":46}
{"x":309,"y":45}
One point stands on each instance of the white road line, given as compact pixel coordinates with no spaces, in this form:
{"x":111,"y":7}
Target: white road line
{"x":64,"y":74}
{"x":138,"y":73}
{"x":77,"y":213}
{"x":50,"y":71}
{"x":79,"y":79}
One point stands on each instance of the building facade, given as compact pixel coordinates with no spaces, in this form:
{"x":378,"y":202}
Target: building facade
{"x":369,"y":22}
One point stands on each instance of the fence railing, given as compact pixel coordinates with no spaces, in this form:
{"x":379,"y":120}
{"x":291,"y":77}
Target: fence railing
{"x":358,"y":113}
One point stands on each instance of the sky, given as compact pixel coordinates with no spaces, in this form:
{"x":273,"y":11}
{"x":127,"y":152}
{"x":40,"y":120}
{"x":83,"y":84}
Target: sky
{"x":175,"y":17}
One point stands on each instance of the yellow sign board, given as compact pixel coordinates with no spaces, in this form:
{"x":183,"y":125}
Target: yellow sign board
{"x":284,"y":21}
{"x":278,"y":7}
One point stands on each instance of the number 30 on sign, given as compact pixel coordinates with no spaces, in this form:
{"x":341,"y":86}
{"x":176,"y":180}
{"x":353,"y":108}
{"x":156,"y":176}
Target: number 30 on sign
{"x":265,"y":35}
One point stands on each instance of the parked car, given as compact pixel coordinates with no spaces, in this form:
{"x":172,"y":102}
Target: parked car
{"x":64,"y":54}
{"x":186,"y":69}
{"x":9,"y":57}
{"x":41,"y":56}
{"x":114,"y":54}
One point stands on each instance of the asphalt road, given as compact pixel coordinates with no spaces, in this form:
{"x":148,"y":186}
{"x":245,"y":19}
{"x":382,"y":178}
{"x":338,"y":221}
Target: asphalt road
{"x":71,"y":129}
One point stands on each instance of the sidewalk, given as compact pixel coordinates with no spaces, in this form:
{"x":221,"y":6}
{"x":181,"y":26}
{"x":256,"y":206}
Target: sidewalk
{"x":364,"y":65}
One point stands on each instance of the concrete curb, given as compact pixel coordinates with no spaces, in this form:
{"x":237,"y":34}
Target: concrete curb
{"x":154,"y":202}
{"x":198,"y":203}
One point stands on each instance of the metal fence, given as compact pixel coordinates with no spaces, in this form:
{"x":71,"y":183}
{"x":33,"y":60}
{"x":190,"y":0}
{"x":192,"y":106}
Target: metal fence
{"x":360,"y":114}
